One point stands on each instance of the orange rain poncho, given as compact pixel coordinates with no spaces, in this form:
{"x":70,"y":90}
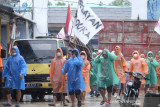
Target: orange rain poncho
{"x":142,"y":56}
{"x":157,"y":58}
{"x":56,"y":77}
{"x":120,"y":65}
{"x":138,"y":65}
{"x":85,"y":71}
{"x":1,"y":65}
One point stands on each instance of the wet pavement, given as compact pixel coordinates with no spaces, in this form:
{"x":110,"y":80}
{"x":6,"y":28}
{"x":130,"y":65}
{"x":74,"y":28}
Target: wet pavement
{"x":89,"y":102}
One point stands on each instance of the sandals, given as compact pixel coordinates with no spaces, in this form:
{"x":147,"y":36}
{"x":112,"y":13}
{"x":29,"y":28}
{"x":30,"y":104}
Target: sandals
{"x":7,"y":104}
{"x":102,"y":102}
{"x":17,"y":105}
{"x":79,"y":103}
{"x":51,"y":104}
{"x":64,"y":104}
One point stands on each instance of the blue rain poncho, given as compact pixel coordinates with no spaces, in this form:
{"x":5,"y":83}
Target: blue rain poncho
{"x":152,"y":76}
{"x":106,"y":74}
{"x":15,"y":65}
{"x":74,"y":69}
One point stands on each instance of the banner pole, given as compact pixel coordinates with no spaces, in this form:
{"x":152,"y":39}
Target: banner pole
{"x":75,"y":40}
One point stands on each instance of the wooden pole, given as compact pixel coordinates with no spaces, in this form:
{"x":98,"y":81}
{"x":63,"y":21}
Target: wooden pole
{"x":151,"y":39}
{"x":75,"y":40}
{"x":8,"y":40}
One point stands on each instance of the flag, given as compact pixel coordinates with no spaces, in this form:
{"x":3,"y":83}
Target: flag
{"x":157,"y":28}
{"x":86,"y":24}
{"x":69,"y":22}
{"x":61,"y":34}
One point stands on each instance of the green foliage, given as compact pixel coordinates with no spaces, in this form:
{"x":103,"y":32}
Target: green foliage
{"x":60,"y":4}
{"x":100,"y":3}
{"x":120,"y":3}
{"x":50,"y":3}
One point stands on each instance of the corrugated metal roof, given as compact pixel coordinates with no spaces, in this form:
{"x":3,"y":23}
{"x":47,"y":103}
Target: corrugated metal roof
{"x":58,"y":14}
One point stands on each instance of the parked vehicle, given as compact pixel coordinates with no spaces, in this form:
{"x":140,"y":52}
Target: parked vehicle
{"x":132,"y":89}
{"x":38,"y":54}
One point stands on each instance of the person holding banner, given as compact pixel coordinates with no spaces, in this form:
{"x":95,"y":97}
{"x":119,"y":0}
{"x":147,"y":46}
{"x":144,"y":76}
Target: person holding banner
{"x":85,"y":75}
{"x":56,"y":77}
{"x":75,"y":82}
{"x":120,"y":66}
{"x":152,"y":76}
{"x":106,"y":75}
{"x":14,"y":71}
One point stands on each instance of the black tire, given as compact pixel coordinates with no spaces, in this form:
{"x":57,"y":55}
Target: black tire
{"x":41,"y":95}
{"x":132,"y":98}
{"x":34,"y":96}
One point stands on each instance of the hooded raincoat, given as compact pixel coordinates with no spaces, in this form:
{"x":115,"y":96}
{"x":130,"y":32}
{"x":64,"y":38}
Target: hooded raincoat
{"x":74,"y":69}
{"x":106,"y":74}
{"x":1,"y":65}
{"x":93,"y":72}
{"x":152,"y":76}
{"x":120,"y":65}
{"x":138,"y":65}
{"x":56,"y":77}
{"x":85,"y":71}
{"x":15,"y":65}
{"x":158,"y":69}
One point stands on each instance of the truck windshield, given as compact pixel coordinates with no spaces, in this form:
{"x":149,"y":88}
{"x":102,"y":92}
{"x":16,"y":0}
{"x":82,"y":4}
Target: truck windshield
{"x":37,"y":51}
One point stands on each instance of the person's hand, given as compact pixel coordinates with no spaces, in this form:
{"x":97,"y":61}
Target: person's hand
{"x":151,"y":60}
{"x":20,"y":76}
{"x":3,"y":79}
{"x":106,"y":50}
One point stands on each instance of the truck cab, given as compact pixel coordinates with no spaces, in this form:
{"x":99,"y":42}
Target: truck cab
{"x":38,"y":54}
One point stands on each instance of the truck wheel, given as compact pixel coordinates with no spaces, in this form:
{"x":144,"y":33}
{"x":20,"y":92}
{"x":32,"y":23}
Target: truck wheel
{"x":41,"y":95}
{"x":34,"y":96}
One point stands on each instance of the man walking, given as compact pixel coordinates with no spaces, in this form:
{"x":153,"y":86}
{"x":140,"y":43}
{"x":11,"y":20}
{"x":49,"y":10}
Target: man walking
{"x":14,"y":71}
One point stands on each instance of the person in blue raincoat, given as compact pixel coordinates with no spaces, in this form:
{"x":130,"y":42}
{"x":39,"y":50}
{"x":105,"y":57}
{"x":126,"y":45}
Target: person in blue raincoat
{"x":75,"y":82}
{"x":14,"y":71}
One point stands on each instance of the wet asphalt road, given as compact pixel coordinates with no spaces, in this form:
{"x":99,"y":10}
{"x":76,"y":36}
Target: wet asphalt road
{"x":89,"y":102}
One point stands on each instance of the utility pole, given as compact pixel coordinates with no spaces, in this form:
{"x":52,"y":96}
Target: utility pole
{"x":32,"y":9}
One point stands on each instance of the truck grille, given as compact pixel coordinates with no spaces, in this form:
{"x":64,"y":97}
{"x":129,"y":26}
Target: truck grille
{"x":37,"y":78}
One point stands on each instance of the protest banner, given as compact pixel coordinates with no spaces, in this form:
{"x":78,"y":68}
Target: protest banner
{"x":86,"y":23}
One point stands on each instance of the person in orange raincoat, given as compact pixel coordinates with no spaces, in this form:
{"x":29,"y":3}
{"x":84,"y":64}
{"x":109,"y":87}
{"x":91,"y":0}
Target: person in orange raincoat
{"x":56,"y":77}
{"x":138,"y":64}
{"x":142,"y":56}
{"x":120,"y":66}
{"x":157,"y":58}
{"x":1,"y":64}
{"x":85,"y":74}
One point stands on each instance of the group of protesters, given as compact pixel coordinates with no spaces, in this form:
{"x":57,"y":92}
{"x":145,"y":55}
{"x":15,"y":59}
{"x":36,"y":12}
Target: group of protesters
{"x":74,"y":76}
{"x":105,"y":72}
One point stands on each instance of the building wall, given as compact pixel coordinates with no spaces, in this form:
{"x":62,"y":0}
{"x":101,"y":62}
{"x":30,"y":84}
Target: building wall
{"x":4,"y":40}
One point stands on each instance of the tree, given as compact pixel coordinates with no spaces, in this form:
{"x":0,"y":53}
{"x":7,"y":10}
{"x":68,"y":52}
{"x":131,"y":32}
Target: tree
{"x":100,"y":3}
{"x":120,"y":3}
{"x":60,"y":4}
{"x":50,"y":3}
